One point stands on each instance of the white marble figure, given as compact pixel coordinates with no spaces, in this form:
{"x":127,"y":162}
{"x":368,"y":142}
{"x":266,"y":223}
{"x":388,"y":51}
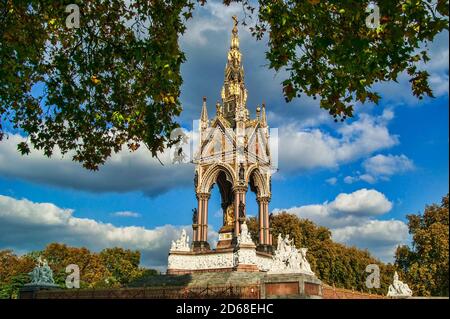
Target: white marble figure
{"x":288,"y":259}
{"x":398,"y":288}
{"x":245,"y":237}
{"x":42,"y":274}
{"x":304,"y":264}
{"x":181,"y":244}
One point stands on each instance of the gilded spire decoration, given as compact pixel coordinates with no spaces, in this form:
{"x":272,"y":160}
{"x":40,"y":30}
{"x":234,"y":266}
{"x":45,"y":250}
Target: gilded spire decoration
{"x":234,"y":93}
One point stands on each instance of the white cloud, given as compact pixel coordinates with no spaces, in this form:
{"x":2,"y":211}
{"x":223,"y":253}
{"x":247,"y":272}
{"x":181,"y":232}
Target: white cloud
{"x":362,"y":202}
{"x":382,"y":167}
{"x":351,"y":219}
{"x":299,"y":150}
{"x":212,"y":17}
{"x":123,"y":172}
{"x":25,"y":226}
{"x":386,"y":166}
{"x":308,"y":149}
{"x":332,"y":180}
{"x":126,"y":214}
{"x":381,"y":237}
{"x":345,"y":209}
{"x":367,"y":178}
{"x":349,"y":179}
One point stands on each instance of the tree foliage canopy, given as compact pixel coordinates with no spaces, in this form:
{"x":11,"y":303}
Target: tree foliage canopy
{"x":116,"y":80}
{"x":331,"y":52}
{"x":113,"y":81}
{"x":425,"y":263}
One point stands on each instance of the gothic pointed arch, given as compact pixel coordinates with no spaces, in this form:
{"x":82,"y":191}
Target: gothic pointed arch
{"x":259,"y":180}
{"x":210,"y":176}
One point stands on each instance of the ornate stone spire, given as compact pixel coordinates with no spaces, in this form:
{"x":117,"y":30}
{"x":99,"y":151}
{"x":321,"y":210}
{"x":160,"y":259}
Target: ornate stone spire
{"x":234,"y":93}
{"x":204,"y":115}
{"x":263,"y":115}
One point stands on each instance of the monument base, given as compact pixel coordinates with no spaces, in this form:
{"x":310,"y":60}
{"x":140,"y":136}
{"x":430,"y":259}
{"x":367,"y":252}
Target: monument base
{"x":29,"y":291}
{"x":220,"y":260}
{"x":261,"y":284}
{"x":291,"y":286}
{"x":247,"y":268}
{"x":225,"y":238}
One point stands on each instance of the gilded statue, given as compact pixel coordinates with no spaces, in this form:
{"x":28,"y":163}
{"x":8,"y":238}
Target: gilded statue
{"x":229,"y":215}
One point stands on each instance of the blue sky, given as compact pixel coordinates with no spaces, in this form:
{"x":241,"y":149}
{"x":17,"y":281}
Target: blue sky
{"x":360,"y":178}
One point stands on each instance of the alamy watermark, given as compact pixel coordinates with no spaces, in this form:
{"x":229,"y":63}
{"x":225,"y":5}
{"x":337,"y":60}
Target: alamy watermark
{"x":73,"y":19}
{"x":73,"y":279}
{"x":373,"y":19}
{"x":373,"y":280}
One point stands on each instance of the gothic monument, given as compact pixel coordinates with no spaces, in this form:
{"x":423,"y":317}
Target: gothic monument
{"x":234,"y":154}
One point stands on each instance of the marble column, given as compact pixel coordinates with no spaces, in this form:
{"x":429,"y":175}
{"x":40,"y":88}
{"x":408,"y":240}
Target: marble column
{"x":264,"y":227}
{"x":201,"y":233}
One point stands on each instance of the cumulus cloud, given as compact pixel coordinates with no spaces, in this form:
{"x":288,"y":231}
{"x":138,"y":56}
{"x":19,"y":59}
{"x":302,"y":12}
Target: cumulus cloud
{"x":352,"y":221}
{"x":332,"y":180}
{"x":26,"y":225}
{"x":301,"y":150}
{"x":362,"y":202}
{"x":298,"y":150}
{"x":385,"y":166}
{"x":382,"y":167}
{"x":381,"y":237}
{"x":124,"y":171}
{"x":345,"y":209}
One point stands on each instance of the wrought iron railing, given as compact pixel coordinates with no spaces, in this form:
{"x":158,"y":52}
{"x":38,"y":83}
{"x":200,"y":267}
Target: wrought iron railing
{"x":206,"y":292}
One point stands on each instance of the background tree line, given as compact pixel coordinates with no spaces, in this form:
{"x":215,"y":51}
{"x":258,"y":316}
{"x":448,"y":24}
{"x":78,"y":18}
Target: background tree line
{"x":333,"y":263}
{"x":110,"y":268}
{"x":424,"y":265}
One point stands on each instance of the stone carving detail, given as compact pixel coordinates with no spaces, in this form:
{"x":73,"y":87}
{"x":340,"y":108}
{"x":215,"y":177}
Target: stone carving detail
{"x":398,"y":288}
{"x":42,"y":274}
{"x":196,"y":262}
{"x":194,"y":216}
{"x":246,"y":256}
{"x":196,"y":179}
{"x":241,"y":172}
{"x":181,"y":244}
{"x":264,"y":263}
{"x":244,"y":237}
{"x":288,"y":259}
{"x":241,"y":210}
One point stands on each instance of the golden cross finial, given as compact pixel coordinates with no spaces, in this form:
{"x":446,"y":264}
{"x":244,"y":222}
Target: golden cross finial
{"x":235,"y":21}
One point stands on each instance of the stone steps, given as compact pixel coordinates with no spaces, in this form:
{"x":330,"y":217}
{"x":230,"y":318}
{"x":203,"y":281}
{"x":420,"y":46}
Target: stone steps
{"x":202,"y":279}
